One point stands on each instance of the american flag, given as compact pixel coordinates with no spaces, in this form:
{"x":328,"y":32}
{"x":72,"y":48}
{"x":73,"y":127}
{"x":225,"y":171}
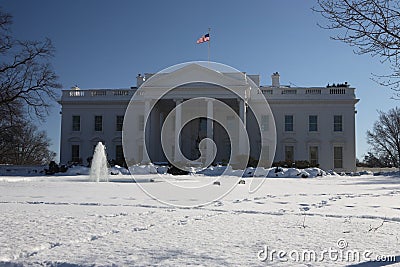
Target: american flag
{"x":204,"y":38}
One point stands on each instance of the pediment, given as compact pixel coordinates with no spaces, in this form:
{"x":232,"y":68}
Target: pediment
{"x":338,"y":140}
{"x":194,"y":73}
{"x":117,"y":140}
{"x":74,"y":139}
{"x":97,"y":139}
{"x":313,"y":141}
{"x":289,"y":140}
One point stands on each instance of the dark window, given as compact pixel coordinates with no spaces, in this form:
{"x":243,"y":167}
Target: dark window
{"x":76,"y":123}
{"x":288,"y":123}
{"x":98,"y":123}
{"x":141,"y":122}
{"x":338,"y":157}
{"x":203,"y":127}
{"x":313,"y":123}
{"x":289,"y":153}
{"x":75,"y":153}
{"x":119,"y":155}
{"x":337,"y":123}
{"x":119,"y":123}
{"x":264,"y":123}
{"x":313,"y":155}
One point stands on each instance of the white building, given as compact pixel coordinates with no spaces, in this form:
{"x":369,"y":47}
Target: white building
{"x":316,"y":124}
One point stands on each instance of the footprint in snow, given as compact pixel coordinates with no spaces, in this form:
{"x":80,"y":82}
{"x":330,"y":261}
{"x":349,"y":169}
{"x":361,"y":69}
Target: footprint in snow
{"x":170,"y":210}
{"x":218,"y":204}
{"x":304,"y":208}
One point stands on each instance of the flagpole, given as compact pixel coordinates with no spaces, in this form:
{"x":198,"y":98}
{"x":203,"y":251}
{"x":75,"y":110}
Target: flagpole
{"x":209,"y":41}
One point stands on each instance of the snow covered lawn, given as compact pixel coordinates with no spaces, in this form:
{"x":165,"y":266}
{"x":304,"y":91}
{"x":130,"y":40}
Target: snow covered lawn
{"x":67,"y":220}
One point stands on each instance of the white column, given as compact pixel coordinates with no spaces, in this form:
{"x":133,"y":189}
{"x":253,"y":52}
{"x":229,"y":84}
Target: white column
{"x":146,"y":132}
{"x":210,"y":128}
{"x":242,"y":110}
{"x":242,"y":132}
{"x":160,"y":150}
{"x":178,"y":122}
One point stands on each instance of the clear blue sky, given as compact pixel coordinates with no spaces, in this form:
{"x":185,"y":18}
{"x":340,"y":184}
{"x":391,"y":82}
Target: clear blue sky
{"x":105,"y":44}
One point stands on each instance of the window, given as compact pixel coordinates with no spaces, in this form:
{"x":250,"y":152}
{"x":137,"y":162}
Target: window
{"x":140,"y":153}
{"x":230,"y":123}
{"x":173,"y":123}
{"x":289,"y":153}
{"x":313,"y":155}
{"x":76,"y":123}
{"x":337,"y":123}
{"x":119,"y":155}
{"x":75,"y":153}
{"x":288,"y":123}
{"x":119,"y":123}
{"x":264,"y":157}
{"x":173,"y":152}
{"x":264,"y":123}
{"x":203,"y":127}
{"x":338,"y":157}
{"x":141,"y":123}
{"x":98,"y":123}
{"x":313,"y":123}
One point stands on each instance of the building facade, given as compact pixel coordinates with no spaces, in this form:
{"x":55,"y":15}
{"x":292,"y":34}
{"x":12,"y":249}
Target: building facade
{"x":316,"y":124}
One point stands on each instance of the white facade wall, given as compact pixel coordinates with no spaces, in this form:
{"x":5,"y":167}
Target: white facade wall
{"x":325,"y":138}
{"x":87,"y":107}
{"x":323,"y":102}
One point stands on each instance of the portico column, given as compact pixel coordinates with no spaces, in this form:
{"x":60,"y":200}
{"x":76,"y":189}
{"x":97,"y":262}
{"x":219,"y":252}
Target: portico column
{"x":178,"y":122}
{"x":146,"y":132}
{"x":242,"y":132}
{"x":210,"y":128}
{"x":161,"y":123}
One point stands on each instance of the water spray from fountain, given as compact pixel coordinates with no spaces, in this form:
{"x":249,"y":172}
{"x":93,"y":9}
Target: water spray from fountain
{"x":99,"y":169}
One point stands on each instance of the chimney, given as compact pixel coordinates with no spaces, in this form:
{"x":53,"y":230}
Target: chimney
{"x":139,"y":80}
{"x":275,"y":79}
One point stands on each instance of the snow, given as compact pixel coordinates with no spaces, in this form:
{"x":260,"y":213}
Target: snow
{"x":56,"y":220}
{"x":143,"y":169}
{"x":78,"y":170}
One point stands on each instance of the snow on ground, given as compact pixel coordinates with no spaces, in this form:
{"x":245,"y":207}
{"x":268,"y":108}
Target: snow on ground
{"x":68,"y":221}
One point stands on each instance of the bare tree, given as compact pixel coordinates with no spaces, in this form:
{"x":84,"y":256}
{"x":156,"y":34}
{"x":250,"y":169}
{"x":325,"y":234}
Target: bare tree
{"x":26,"y":75}
{"x":371,"y":26}
{"x":385,"y":135}
{"x":382,"y":160}
{"x":27,"y":86}
{"x":5,"y":38}
{"x":22,"y":144}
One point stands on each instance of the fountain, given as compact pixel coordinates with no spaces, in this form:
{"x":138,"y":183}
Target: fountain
{"x":99,"y":169}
